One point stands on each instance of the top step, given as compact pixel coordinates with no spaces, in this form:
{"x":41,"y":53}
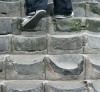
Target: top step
{"x":52,"y":0}
{"x":15,"y":8}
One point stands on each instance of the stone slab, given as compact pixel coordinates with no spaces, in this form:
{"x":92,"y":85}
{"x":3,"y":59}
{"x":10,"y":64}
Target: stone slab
{"x":10,"y":9}
{"x":65,"y":86}
{"x":2,"y":68}
{"x":92,"y":24}
{"x":65,"y":67}
{"x":36,"y":44}
{"x":5,"y":43}
{"x":79,"y":9}
{"x":25,"y":67}
{"x":93,"y":9}
{"x":92,"y":66}
{"x":65,"y":44}
{"x":23,"y":85}
{"x":92,"y":45}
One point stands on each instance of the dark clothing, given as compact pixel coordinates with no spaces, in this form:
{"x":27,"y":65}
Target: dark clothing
{"x":61,"y":7}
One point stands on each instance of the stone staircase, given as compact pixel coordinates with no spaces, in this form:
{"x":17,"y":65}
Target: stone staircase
{"x":56,"y":56}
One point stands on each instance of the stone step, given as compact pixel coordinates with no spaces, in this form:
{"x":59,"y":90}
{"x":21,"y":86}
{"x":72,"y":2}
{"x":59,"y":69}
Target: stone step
{"x":52,"y":0}
{"x":50,"y":86}
{"x":43,"y":86}
{"x":85,"y":43}
{"x":49,"y":25}
{"x":50,"y":67}
{"x":81,"y":9}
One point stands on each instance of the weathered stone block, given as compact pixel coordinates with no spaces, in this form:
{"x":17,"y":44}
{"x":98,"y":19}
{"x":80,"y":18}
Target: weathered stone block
{"x":93,"y":24}
{"x":29,"y":44}
{"x":96,"y":85}
{"x":2,"y":68}
{"x":10,"y":9}
{"x":65,"y":67}
{"x":92,"y":44}
{"x":92,"y":66}
{"x":23,"y":85}
{"x":5,"y":25}
{"x":79,"y":9}
{"x":93,"y":85}
{"x":9,"y":26}
{"x":60,"y":44}
{"x":25,"y":67}
{"x":5,"y":45}
{"x":68,"y":25}
{"x":68,"y":86}
{"x":93,"y":9}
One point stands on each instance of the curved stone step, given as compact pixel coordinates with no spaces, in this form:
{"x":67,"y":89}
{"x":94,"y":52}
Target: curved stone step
{"x":68,"y":86}
{"x":25,"y":67}
{"x":93,"y":66}
{"x":62,"y":67}
{"x":22,"y":86}
{"x":41,"y":67}
{"x":49,"y":86}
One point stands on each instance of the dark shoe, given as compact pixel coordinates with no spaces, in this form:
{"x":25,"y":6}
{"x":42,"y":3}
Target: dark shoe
{"x":33,"y":18}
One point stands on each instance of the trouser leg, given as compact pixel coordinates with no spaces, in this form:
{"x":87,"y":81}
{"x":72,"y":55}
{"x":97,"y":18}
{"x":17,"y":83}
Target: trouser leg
{"x":62,"y":7}
{"x":33,"y":5}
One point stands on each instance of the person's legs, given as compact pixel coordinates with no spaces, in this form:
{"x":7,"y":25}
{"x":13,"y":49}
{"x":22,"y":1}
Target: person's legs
{"x":62,"y":7}
{"x":33,"y":5}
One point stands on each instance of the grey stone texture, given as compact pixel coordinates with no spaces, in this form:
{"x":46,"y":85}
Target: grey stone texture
{"x":2,"y":68}
{"x":25,"y":67}
{"x":65,"y":86}
{"x":93,"y":9}
{"x":92,"y":66}
{"x":65,"y":52}
{"x":92,"y":45}
{"x":65,"y":44}
{"x":22,"y":86}
{"x":49,"y":86}
{"x":79,"y":9}
{"x":10,"y":9}
{"x":36,"y":44}
{"x":9,"y":26}
{"x":65,"y":67}
{"x":5,"y":43}
{"x":92,"y":24}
